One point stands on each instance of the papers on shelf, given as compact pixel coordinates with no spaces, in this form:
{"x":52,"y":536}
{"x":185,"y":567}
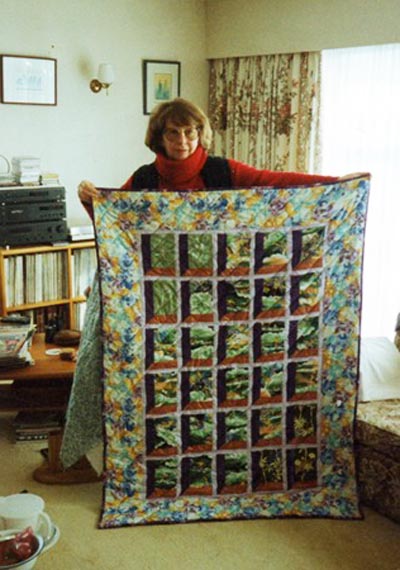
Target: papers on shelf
{"x":50,"y":179}
{"x":14,"y":345}
{"x":81,"y":233}
{"x":26,"y":169}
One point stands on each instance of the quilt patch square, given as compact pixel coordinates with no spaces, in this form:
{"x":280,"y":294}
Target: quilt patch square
{"x":231,"y":326}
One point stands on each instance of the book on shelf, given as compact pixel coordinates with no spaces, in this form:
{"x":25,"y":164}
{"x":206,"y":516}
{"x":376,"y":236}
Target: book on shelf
{"x":48,"y":283}
{"x":34,"y":278}
{"x":83,"y":269}
{"x":41,"y":316}
{"x":79,"y":315}
{"x":38,"y":419}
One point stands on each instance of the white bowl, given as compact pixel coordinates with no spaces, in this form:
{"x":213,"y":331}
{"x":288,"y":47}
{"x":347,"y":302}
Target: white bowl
{"x":29,"y":562}
{"x":52,"y":540}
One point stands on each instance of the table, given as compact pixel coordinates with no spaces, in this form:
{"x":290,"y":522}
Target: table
{"x":45,"y":386}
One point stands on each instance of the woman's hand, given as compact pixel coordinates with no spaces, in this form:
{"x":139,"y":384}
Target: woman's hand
{"x":87,"y":191}
{"x":351,"y":176}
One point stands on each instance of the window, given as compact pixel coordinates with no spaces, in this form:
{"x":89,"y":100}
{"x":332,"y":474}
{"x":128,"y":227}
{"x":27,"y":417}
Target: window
{"x":360,"y":133}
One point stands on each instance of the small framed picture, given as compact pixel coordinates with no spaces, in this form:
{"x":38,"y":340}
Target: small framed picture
{"x":27,"y":80}
{"x":161,"y":82}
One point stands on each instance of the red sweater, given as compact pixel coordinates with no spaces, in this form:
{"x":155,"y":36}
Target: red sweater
{"x":185,"y":175}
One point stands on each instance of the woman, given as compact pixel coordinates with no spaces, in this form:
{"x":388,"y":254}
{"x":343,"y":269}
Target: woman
{"x":180,"y":135}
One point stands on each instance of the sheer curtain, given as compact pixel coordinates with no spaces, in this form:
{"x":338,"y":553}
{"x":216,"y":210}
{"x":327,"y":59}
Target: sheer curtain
{"x":264,"y":110}
{"x":360,"y":124}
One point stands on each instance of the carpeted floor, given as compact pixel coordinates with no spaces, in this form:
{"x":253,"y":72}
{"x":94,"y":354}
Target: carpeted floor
{"x":371,"y":544}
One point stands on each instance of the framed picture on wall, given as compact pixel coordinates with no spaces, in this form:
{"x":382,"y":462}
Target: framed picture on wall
{"x":161,"y":82}
{"x":28,"y":80}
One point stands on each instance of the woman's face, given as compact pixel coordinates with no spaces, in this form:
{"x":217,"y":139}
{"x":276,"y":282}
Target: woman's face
{"x":180,"y":142}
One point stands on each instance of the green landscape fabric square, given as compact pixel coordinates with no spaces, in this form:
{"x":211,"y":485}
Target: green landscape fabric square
{"x":231,"y":323}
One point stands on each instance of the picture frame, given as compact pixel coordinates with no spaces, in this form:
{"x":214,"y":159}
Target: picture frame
{"x":161,"y":82}
{"x":28,"y":80}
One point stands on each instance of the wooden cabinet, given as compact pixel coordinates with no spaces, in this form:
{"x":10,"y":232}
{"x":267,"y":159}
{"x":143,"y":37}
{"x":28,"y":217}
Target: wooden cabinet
{"x":47,"y":282}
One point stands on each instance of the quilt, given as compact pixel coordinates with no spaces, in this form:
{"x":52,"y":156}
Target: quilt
{"x":230,"y":324}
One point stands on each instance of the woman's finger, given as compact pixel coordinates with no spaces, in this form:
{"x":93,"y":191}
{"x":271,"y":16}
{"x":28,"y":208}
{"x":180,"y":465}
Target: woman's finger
{"x":87,"y":191}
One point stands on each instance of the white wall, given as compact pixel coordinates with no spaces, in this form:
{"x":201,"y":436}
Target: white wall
{"x":252,"y":27}
{"x":100,"y":137}
{"x":91,"y":135}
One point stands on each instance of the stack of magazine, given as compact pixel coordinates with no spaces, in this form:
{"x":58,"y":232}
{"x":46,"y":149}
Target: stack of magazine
{"x":36,"y":425}
{"x":15,"y":341}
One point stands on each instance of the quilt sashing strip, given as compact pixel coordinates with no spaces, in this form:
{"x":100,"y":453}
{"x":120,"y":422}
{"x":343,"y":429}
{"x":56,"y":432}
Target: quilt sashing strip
{"x":231,"y":326}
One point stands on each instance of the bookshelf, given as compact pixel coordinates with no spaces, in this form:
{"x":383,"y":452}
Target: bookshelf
{"x":47,"y":281}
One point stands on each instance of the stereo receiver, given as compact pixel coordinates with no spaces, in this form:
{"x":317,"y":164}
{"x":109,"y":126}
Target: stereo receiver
{"x":32,"y":215}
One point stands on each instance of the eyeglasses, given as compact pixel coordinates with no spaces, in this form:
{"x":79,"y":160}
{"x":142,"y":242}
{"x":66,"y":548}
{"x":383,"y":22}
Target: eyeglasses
{"x":190,"y":133}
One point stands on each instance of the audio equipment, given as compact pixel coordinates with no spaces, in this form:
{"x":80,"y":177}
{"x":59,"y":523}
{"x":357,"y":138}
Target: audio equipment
{"x":32,"y":215}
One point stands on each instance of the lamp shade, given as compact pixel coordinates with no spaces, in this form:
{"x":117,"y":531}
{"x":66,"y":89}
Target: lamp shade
{"x":106,"y":73}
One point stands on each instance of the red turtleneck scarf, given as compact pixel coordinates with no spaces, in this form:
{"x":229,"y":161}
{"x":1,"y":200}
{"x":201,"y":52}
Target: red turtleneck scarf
{"x":179,"y":174}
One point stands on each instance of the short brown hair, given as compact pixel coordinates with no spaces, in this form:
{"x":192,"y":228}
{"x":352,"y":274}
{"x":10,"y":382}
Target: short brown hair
{"x":182,"y":113}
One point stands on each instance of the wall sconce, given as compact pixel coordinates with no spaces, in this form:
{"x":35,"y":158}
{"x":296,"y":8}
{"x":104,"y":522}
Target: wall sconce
{"x":105,"y":78}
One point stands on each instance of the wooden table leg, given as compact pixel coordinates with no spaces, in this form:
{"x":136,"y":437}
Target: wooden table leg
{"x":52,"y":472}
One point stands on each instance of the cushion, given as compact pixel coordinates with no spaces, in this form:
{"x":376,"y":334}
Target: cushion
{"x":67,"y":337}
{"x":379,"y":369}
{"x":378,"y":426}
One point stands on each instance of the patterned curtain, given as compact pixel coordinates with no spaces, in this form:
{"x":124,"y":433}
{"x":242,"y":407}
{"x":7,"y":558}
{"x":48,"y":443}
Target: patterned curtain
{"x":264,"y":110}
